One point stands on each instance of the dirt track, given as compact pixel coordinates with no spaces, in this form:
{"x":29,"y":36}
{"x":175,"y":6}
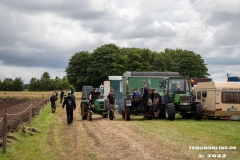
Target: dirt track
{"x":117,"y":139}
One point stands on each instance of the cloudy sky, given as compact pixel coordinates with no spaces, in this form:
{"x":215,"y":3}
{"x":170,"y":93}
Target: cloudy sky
{"x":41,"y":35}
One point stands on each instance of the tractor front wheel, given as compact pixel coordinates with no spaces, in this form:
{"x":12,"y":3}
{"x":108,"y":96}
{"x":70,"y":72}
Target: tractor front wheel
{"x":82,"y":111}
{"x":127,"y":113}
{"x":89,"y":115}
{"x":170,"y":112}
{"x":198,"y":112}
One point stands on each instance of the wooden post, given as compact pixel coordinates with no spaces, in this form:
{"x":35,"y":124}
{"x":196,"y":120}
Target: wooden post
{"x":30,"y":115}
{"x":43,"y":96}
{"x":5,"y":132}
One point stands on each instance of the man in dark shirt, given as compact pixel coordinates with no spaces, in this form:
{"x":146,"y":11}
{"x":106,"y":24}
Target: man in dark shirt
{"x":111,"y":100}
{"x":70,"y":103}
{"x":94,"y":95}
{"x":61,"y":96}
{"x":53,"y":100}
{"x":156,"y":103}
{"x":145,"y":96}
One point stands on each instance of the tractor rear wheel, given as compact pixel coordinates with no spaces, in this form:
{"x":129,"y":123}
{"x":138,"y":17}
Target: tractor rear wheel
{"x":198,"y":112}
{"x":127,"y":113}
{"x":170,"y":112}
{"x":89,"y":115}
{"x":82,"y":111}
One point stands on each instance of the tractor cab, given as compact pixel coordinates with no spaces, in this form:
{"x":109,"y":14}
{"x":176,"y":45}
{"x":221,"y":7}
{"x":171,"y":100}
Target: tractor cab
{"x":175,"y":86}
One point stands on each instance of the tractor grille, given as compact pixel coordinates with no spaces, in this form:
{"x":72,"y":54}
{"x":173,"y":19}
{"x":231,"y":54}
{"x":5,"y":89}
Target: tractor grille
{"x":185,"y":108}
{"x":185,"y":99}
{"x":101,"y":105}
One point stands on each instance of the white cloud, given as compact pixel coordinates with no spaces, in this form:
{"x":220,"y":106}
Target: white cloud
{"x":42,"y":35}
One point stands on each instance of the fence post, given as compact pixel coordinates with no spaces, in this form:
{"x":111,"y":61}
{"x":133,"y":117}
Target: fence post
{"x":5,"y":132}
{"x":30,"y":115}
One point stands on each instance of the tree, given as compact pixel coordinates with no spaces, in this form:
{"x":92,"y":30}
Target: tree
{"x":34,"y":85}
{"x":46,"y":83}
{"x":103,"y":63}
{"x":18,"y":84}
{"x":77,"y":69}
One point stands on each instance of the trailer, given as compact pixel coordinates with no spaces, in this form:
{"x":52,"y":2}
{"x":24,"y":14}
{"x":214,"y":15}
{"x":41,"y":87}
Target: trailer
{"x":219,"y":99}
{"x":134,"y":80}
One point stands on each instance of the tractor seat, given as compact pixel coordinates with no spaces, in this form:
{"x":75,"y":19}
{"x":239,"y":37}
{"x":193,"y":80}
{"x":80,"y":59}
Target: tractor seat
{"x":174,"y":87}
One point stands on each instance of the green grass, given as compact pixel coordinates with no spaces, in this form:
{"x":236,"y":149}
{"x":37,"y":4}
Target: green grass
{"x":184,"y":133}
{"x":43,"y":145}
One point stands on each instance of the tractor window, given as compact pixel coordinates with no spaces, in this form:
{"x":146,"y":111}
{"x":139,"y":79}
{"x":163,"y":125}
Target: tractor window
{"x":198,"y":95}
{"x":204,"y":93}
{"x":230,"y":97}
{"x":178,"y":85}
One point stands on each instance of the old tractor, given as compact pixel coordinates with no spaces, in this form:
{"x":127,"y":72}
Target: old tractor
{"x":99,"y":106}
{"x":176,"y":98}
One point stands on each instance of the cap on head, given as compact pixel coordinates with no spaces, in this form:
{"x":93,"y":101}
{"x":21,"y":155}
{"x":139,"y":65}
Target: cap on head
{"x":69,"y":92}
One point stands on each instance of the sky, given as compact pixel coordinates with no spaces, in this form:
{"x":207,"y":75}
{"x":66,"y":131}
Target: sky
{"x":41,"y":35}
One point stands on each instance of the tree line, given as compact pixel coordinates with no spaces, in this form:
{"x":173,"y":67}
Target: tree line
{"x":9,"y":84}
{"x":45,"y":83}
{"x":92,"y":68}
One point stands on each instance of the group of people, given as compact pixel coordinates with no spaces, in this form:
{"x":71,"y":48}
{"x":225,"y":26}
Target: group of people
{"x":149,"y":97}
{"x":69,"y":101}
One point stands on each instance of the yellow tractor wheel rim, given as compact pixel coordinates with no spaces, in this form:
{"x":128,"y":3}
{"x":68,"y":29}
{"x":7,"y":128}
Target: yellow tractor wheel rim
{"x":88,"y":115}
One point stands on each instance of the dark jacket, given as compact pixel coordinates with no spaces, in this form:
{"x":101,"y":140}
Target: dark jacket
{"x":146,"y":92}
{"x":70,"y":103}
{"x":62,"y":94}
{"x":53,"y":99}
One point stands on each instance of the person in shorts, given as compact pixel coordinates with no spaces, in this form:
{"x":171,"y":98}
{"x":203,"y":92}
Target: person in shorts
{"x":156,"y":102}
{"x":111,"y":100}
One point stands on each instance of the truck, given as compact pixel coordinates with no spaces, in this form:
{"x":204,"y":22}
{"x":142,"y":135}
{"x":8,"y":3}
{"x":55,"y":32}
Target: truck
{"x":219,"y":99}
{"x":134,"y":80}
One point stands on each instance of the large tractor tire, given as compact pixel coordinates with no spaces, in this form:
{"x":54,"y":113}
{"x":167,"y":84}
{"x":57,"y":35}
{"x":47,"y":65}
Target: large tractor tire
{"x":198,"y":112}
{"x":127,"y":113}
{"x":89,"y":115}
{"x":161,"y":111}
{"x":170,"y":112}
{"x":83,"y":111}
{"x":111,"y":114}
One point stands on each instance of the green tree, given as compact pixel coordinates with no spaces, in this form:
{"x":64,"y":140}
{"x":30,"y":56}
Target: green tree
{"x":34,"y":85}
{"x":77,"y":69}
{"x":46,"y":82}
{"x":103,"y":63}
{"x":18,"y":84}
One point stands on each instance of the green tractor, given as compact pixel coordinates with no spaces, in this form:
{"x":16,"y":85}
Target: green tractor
{"x":99,"y":106}
{"x":176,"y":98}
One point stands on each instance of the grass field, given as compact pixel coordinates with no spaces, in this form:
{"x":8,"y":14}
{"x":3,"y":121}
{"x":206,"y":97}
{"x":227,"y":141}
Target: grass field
{"x":31,"y":95}
{"x":87,"y":140}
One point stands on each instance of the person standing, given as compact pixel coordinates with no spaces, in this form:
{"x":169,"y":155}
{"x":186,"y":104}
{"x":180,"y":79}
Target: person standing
{"x":145,"y":96}
{"x":53,"y":100}
{"x":111,"y":100}
{"x":72,"y":90}
{"x":61,"y":96}
{"x":70,"y":106}
{"x":156,"y":103}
